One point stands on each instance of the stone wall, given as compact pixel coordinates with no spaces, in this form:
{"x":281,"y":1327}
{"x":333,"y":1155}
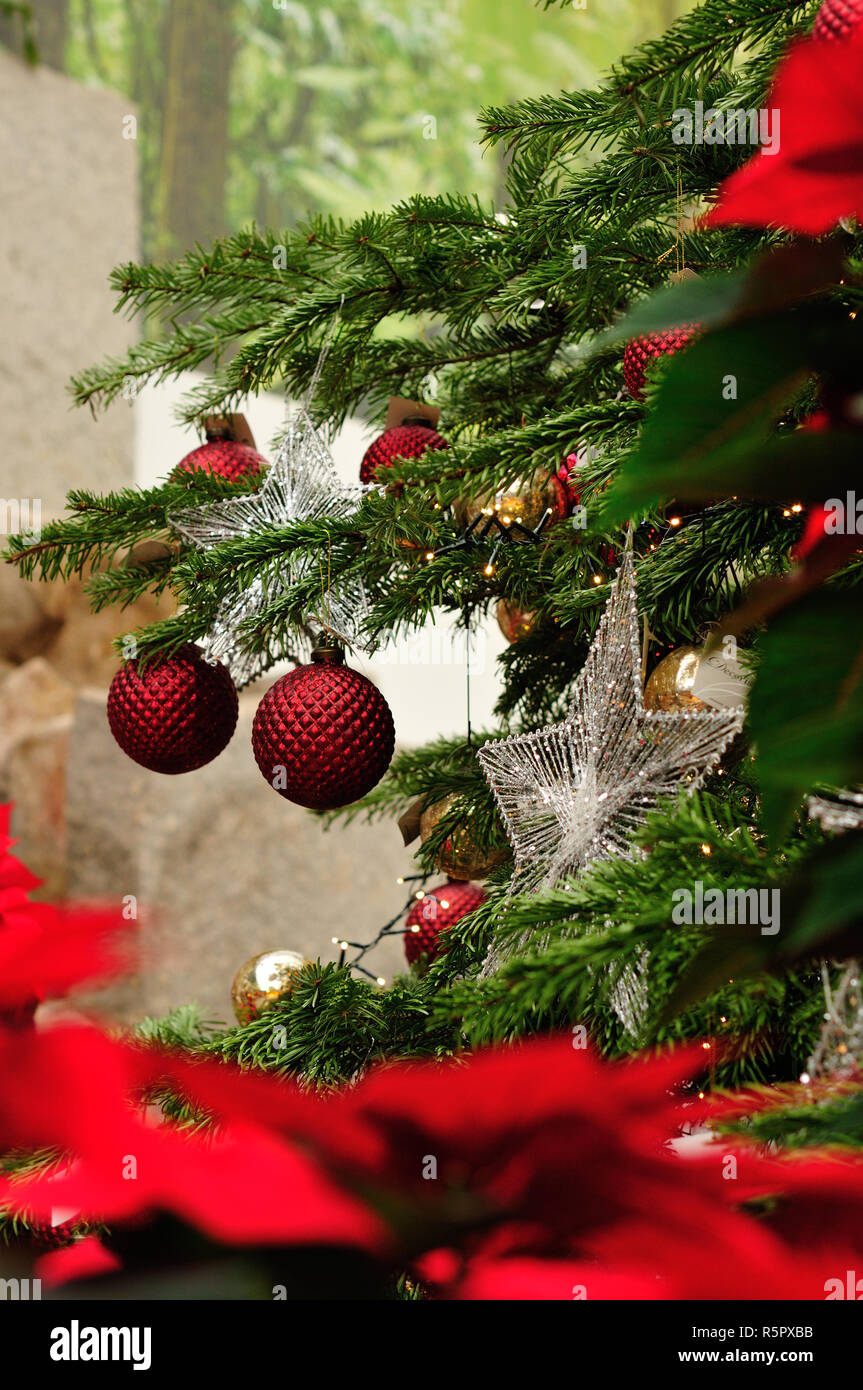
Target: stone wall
{"x":69,"y":216}
{"x":221,"y":867}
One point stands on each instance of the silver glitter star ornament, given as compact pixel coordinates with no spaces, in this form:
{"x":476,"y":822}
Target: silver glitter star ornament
{"x":301,"y":485}
{"x":576,"y":792}
{"x":843,"y":811}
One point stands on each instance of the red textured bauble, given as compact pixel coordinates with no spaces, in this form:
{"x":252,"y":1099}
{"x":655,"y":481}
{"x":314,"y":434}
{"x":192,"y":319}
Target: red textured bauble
{"x":567,"y":476}
{"x":174,"y":715}
{"x":402,"y":441}
{"x":838,"y":19}
{"x":227,"y":458}
{"x":323,"y":735}
{"x":56,"y":1237}
{"x":438,"y":910}
{"x":641,"y":351}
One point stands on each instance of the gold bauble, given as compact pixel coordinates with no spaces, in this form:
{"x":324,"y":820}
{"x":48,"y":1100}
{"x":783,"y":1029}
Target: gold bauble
{"x":523,"y":502}
{"x":264,"y":980}
{"x":514,"y":622}
{"x":669,"y":687}
{"x":459,"y":857}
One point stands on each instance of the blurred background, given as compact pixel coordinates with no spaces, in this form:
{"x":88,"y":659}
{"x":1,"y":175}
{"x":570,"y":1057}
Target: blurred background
{"x":131,"y":129}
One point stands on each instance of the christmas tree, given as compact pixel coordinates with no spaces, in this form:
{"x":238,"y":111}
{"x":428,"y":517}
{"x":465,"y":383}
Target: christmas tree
{"x":623,"y":414}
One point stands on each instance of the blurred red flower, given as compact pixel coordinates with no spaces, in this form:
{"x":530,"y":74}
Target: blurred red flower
{"x":816,"y":175}
{"x":531,"y":1171}
{"x":44,"y":950}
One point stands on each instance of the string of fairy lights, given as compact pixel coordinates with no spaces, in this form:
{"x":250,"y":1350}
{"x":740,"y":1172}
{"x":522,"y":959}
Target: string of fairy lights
{"x":390,"y":928}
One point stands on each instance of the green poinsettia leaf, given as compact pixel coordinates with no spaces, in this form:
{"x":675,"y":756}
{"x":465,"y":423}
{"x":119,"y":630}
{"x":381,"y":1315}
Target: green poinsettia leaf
{"x":820,"y":914}
{"x":806,"y":707}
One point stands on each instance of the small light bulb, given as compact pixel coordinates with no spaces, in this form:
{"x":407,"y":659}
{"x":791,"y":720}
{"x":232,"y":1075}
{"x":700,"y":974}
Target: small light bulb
{"x":442,"y":903}
{"x":429,"y":555}
{"x":343,"y":945}
{"x":419,"y":895}
{"x":706,"y":1046}
{"x":415,"y":929}
{"x":398,"y":880}
{"x":705,"y":849}
{"x":381,"y":981}
{"x":597,"y":579}
{"x":674,"y":521}
{"x":335,"y":940}
{"x":489,"y":569}
{"x":798,"y":507}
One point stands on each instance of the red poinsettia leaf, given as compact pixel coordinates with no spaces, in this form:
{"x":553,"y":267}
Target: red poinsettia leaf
{"x":71,"y":1088}
{"x":244,"y":1186}
{"x":46,"y":951}
{"x":815,"y":177}
{"x":565,"y":1280}
{"x":841,"y":159}
{"x":551,"y":1167}
{"x":84,"y":1259}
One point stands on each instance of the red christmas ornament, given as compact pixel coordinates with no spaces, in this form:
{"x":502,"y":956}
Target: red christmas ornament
{"x":56,"y":1237}
{"x":837,"y":19}
{"x":567,"y":476}
{"x":433,"y":914}
{"x":561,"y":506}
{"x":641,"y":351}
{"x":174,"y":715}
{"x":402,"y":441}
{"x":323,"y":735}
{"x":227,"y":458}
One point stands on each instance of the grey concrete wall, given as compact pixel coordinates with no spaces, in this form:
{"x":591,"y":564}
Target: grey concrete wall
{"x":221,"y":866}
{"x":70,"y":214}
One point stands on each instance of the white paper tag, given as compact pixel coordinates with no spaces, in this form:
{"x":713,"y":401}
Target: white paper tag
{"x":721,"y":681}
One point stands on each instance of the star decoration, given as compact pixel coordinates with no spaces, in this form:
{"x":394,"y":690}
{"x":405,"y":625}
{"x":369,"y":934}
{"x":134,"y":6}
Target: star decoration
{"x":301,"y":485}
{"x":576,"y":792}
{"x":842,"y":811}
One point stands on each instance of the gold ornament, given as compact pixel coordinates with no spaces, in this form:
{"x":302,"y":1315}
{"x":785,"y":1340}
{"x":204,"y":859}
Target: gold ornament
{"x":459,"y":857}
{"x":514,"y":622}
{"x":669,"y":686}
{"x":264,"y":980}
{"x":523,"y":502}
